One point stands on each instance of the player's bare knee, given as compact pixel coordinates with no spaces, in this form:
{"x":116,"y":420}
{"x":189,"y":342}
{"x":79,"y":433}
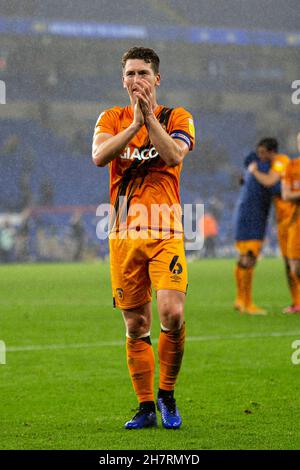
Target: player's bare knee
{"x":172,"y":317}
{"x":295,"y":268}
{"x":247,"y":261}
{"x":137,"y":326}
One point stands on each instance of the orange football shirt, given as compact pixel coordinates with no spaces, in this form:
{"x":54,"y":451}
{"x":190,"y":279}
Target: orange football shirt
{"x":282,"y":208}
{"x":140,"y":175}
{"x":292,"y":178}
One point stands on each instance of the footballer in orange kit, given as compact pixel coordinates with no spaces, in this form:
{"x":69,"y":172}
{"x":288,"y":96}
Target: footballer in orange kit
{"x":144,"y":145}
{"x":291,"y":193}
{"x":268,"y":151}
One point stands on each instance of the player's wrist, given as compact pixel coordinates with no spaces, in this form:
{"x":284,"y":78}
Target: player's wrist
{"x":149,"y":115}
{"x":150,"y":118}
{"x":136,"y":126}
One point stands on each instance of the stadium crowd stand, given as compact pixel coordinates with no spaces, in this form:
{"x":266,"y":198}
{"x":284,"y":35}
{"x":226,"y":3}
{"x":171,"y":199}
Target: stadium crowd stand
{"x":45,"y":161}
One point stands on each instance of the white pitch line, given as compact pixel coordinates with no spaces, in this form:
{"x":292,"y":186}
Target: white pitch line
{"x":101,"y":344}
{"x":99,"y":303}
{"x":46,"y":347}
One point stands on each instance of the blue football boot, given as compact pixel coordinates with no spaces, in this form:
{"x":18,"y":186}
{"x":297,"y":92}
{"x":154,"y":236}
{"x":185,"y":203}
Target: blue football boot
{"x":170,"y":416}
{"x":142,"y":419}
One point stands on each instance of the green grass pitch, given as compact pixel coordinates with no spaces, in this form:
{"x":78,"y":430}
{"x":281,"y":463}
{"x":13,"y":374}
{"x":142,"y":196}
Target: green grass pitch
{"x":65,"y":384}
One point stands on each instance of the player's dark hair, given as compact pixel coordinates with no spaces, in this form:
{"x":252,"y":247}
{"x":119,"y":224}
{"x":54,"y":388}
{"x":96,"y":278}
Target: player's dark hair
{"x":269,"y":143}
{"x":143,"y":53}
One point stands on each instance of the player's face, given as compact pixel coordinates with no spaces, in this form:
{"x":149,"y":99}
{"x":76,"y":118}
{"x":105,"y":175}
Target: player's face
{"x":263,"y":154}
{"x":135,"y":71}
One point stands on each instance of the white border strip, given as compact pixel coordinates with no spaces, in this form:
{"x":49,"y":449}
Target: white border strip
{"x":101,"y":344}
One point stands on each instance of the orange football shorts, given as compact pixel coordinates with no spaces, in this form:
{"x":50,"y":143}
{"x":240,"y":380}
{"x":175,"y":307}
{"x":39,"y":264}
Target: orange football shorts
{"x":293,"y":240}
{"x":282,"y":233}
{"x":136,"y":265}
{"x":246,"y":246}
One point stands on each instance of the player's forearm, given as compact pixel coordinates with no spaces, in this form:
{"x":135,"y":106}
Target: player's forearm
{"x":167,"y":148}
{"x":288,"y":195}
{"x":105,"y":152}
{"x":264,"y":179}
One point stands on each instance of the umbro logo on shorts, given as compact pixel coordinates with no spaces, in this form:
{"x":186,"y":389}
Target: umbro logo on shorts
{"x":176,"y":269}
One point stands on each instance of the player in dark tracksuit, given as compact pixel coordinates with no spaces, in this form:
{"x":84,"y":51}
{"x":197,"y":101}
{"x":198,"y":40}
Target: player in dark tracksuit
{"x":251,"y":219}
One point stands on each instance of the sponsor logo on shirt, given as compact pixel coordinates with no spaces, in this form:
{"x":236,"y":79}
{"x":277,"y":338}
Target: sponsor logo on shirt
{"x":146,"y":154}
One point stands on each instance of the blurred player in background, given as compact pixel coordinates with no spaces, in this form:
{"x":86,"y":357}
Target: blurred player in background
{"x":268,"y":151}
{"x":250,"y":228}
{"x":209,"y":228}
{"x":291,"y":193}
{"x":144,"y":145}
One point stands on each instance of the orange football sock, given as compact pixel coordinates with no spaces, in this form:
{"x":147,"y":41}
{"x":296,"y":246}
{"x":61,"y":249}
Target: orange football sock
{"x":294,"y":285}
{"x":140,"y":361}
{"x":170,"y":353}
{"x":247,"y":285}
{"x":243,"y":278}
{"x":240,"y":294}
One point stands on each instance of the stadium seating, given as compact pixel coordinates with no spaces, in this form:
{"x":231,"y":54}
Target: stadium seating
{"x":74,"y":178}
{"x":277,"y":13}
{"x":133,"y":12}
{"x":42,"y":156}
{"x":77,"y":181}
{"x":226,"y":14}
